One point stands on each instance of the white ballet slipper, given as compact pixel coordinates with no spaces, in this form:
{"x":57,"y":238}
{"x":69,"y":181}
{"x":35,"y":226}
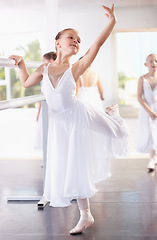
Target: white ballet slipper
{"x":83,"y":223}
{"x":151,"y":164}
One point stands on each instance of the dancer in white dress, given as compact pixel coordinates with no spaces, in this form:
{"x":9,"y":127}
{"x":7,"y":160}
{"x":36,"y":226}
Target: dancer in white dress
{"x":49,"y":57}
{"x":89,"y":89}
{"x":81,"y":140}
{"x":147,"y":123}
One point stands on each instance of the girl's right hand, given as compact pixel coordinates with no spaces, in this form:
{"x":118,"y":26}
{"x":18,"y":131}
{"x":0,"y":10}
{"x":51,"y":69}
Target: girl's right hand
{"x":153,"y":115}
{"x":17,"y":59}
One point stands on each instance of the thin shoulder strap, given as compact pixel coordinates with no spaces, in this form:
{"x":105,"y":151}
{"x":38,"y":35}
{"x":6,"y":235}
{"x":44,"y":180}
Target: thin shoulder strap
{"x":95,"y":80}
{"x":81,"y":78}
{"x":46,"y":68}
{"x":144,"y":79}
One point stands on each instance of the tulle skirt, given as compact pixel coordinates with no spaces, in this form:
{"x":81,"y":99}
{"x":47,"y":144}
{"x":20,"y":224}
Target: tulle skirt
{"x":81,"y":143}
{"x":91,"y":96}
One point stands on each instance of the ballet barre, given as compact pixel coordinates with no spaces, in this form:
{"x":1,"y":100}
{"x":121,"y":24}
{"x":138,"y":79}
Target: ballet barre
{"x":18,"y":102}
{"x":6,"y":62}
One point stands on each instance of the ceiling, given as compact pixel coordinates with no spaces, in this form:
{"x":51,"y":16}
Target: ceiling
{"x":39,"y":4}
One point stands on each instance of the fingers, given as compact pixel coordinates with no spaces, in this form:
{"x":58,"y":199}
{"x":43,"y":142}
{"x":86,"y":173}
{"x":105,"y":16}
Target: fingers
{"x":109,"y":9}
{"x":112,"y":7}
{"x":16,"y":58}
{"x":110,"y":13}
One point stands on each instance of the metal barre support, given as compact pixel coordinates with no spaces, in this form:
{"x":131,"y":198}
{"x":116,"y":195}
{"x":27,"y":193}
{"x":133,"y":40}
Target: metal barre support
{"x":42,"y":201}
{"x":13,"y":103}
{"x":18,"y":102}
{"x":24,"y":198}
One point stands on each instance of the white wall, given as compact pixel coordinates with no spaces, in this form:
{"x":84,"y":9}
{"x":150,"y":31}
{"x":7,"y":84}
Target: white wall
{"x":140,"y":17}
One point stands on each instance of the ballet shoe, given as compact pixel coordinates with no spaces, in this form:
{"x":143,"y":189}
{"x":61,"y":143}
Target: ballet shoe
{"x":151,"y":165}
{"x":79,"y":229}
{"x":112,"y":110}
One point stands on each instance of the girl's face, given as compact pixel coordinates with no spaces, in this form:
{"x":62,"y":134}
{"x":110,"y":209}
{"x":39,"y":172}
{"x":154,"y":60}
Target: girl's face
{"x":69,"y":42}
{"x":151,"y":62}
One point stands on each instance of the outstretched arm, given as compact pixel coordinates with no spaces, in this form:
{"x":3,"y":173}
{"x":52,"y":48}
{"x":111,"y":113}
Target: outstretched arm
{"x":151,"y":113}
{"x":80,"y":66}
{"x":26,"y":79}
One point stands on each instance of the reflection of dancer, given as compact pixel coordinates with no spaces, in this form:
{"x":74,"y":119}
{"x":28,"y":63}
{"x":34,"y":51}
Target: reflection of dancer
{"x":48,"y":58}
{"x":81,"y":140}
{"x":89,"y":89}
{"x":147,"y":97}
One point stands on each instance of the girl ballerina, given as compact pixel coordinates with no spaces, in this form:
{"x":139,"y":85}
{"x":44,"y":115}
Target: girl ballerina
{"x":48,"y":58}
{"x":81,"y":141}
{"x":90,"y":90}
{"x":147,"y":123}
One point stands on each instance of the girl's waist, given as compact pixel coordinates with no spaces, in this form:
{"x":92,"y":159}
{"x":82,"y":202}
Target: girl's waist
{"x":60,"y":110}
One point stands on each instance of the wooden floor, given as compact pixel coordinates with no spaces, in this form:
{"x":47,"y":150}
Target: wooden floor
{"x":125,"y":207}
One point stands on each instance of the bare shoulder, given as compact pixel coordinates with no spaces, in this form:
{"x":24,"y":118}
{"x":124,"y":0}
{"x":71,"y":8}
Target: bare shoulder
{"x":98,"y":78}
{"x":140,"y":86}
{"x":140,"y":80}
{"x":40,"y":69}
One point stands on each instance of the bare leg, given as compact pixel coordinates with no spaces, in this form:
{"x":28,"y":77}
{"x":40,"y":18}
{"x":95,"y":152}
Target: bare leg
{"x":154,"y":156}
{"x":151,"y":163}
{"x":86,"y":218}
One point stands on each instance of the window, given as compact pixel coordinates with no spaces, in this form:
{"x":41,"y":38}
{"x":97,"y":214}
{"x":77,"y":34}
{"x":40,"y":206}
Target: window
{"x":132,"y":50}
{"x":28,"y":46}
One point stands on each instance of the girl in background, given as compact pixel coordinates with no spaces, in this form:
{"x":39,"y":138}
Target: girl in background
{"x":147,"y":123}
{"x":49,"y":57}
{"x":90,"y":90}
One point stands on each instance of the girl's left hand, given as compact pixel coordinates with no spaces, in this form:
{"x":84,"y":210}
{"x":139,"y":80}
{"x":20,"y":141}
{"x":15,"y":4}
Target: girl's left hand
{"x":110,"y":12}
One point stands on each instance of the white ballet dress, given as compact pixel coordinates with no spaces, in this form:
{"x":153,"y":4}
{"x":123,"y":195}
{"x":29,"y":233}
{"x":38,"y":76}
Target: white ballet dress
{"x":90,"y":95}
{"x":147,"y":128}
{"x":81,"y":143}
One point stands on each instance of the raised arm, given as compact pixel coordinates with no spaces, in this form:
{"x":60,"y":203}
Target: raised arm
{"x":80,"y":66}
{"x":26,"y":79}
{"x":151,"y":113}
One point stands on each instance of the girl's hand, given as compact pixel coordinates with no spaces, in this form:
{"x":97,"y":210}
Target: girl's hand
{"x":153,"y":115}
{"x":110,"y":12}
{"x":17,"y":59}
{"x":102,"y":98}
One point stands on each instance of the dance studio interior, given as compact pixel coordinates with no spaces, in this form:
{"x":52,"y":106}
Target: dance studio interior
{"x":125,"y":205}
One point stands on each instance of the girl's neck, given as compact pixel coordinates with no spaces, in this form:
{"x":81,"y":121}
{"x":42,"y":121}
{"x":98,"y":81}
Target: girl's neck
{"x":61,"y":59}
{"x":152,"y":73}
